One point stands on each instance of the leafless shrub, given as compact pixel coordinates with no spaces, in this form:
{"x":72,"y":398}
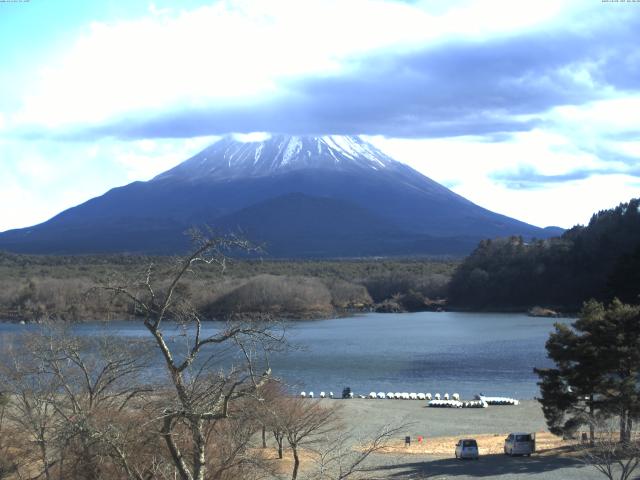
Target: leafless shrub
{"x":338,"y":459}
{"x":8,"y":454}
{"x":69,"y":397}
{"x":277,"y":295}
{"x":615,"y":459}
{"x":347,"y":295}
{"x":304,"y":422}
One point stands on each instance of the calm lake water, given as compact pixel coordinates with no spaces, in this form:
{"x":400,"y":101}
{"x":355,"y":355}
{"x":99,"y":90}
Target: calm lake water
{"x":443,"y":352}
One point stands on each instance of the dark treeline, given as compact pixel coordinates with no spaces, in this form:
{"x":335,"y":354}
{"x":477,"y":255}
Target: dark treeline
{"x":34,"y":287}
{"x":600,"y":261}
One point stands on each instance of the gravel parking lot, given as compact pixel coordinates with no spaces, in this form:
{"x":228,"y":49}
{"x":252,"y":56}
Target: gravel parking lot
{"x":491,"y":466}
{"x":364,"y":417}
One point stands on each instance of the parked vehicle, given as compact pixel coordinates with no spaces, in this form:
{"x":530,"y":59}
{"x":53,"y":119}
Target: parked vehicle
{"x":467,"y":448}
{"x":347,"y":393}
{"x":520,"y":444}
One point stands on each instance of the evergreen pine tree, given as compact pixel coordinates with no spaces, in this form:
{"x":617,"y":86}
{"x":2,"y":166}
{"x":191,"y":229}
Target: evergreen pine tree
{"x":597,"y":369}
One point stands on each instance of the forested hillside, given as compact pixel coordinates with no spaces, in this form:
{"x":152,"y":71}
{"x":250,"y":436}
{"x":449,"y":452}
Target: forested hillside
{"x":601,"y":261}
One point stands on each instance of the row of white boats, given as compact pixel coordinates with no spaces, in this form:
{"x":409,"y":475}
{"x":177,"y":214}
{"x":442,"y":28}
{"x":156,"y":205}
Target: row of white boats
{"x":436,"y":400}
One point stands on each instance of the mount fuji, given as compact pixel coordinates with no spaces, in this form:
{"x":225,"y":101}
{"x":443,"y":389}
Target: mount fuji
{"x":329,"y":196}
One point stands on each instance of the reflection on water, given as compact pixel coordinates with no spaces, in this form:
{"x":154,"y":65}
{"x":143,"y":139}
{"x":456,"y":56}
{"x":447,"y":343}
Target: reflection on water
{"x":443,"y":352}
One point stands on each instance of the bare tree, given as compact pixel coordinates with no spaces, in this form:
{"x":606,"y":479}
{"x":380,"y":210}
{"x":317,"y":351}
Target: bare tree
{"x":70,"y":397}
{"x":8,"y":460}
{"x":269,"y":412}
{"x":96,"y":380}
{"x":615,"y":459}
{"x":274,"y":416}
{"x":231,"y":442}
{"x":305,"y":422}
{"x":203,"y":386}
{"x":31,"y":411}
{"x":341,"y":457}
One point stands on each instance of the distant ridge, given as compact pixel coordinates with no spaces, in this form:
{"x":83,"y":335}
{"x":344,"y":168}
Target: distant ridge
{"x":301,"y":196}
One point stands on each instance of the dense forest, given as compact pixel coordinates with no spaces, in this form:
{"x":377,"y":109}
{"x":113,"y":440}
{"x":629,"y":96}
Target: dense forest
{"x":34,"y":287}
{"x":600,"y":261}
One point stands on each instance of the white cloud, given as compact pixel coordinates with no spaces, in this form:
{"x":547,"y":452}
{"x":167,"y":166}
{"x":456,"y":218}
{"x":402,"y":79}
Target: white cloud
{"x":565,"y":205}
{"x":39,"y":179}
{"x":234,"y":51}
{"x":468,"y":165}
{"x":466,"y":159}
{"x":611,"y":114}
{"x":154,"y":10}
{"x":23,"y":201}
{"x":599,"y":118}
{"x":144,"y":159}
{"x":251,"y":137}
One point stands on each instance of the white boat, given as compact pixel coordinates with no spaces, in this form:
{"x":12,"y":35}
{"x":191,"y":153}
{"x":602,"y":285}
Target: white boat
{"x":498,"y":400}
{"x":475,"y":404}
{"x":445,"y":404}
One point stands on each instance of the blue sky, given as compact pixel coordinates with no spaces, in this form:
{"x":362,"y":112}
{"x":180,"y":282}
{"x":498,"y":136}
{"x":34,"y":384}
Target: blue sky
{"x":529,"y":108}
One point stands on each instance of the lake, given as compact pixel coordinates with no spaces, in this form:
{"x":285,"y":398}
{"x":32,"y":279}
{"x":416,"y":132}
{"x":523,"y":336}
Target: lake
{"x":467,"y":353}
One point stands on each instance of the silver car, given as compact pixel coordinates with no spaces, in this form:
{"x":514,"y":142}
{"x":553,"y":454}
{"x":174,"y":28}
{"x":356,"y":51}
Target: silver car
{"x":467,"y":448}
{"x":519,"y":444}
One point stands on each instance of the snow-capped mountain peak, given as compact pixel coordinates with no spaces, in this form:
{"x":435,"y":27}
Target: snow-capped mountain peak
{"x":231,"y":158}
{"x":301,"y":196}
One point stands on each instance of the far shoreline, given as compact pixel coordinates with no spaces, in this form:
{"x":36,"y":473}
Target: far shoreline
{"x":291,"y":317}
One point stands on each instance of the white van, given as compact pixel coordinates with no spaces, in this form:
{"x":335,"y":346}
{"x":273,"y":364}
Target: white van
{"x":520,"y":444}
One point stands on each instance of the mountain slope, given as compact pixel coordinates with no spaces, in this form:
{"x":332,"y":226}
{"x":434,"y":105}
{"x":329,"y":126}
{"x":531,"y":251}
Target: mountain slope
{"x":372,"y":203}
{"x":229,"y":158}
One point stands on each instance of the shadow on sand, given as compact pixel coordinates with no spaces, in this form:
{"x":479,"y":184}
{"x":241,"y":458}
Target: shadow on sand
{"x":488,"y":466}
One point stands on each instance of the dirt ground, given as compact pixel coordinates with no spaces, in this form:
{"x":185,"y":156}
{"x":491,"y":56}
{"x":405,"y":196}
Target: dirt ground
{"x":362,"y":417}
{"x":488,"y":444}
{"x":441,"y":428}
